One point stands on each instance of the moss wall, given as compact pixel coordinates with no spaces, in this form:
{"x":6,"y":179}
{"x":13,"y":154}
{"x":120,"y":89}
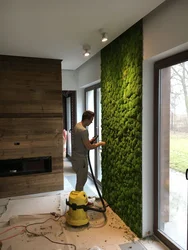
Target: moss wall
{"x":121,"y":86}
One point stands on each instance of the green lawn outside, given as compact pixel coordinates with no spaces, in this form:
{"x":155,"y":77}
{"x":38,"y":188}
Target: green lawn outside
{"x":179,"y":151}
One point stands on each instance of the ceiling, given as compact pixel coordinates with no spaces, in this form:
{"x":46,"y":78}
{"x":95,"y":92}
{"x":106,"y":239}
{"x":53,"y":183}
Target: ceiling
{"x":58,"y":29}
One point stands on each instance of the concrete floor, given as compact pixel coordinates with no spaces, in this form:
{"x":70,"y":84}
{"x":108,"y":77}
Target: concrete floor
{"x":38,"y":221}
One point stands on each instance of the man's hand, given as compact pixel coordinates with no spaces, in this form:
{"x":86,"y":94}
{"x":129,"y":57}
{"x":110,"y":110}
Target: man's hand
{"x":102,"y":143}
{"x":93,"y":139}
{"x":89,"y":145}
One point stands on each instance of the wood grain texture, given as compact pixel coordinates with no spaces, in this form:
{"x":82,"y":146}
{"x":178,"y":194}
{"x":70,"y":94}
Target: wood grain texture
{"x":31,"y":120}
{"x":30,"y":184}
{"x":30,"y":85}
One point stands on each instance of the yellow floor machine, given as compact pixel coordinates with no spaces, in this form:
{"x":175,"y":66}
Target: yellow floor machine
{"x":78,"y":205}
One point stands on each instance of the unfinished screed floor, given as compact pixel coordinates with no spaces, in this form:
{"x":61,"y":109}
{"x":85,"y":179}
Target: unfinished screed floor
{"x":37,"y":221}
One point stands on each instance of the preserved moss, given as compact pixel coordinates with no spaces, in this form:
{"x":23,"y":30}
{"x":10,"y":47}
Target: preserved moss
{"x":121,"y":86}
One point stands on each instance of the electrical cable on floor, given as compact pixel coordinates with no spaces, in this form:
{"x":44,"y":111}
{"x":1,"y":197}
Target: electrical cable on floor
{"x":56,"y":242}
{"x":35,"y":234}
{"x":9,"y":229}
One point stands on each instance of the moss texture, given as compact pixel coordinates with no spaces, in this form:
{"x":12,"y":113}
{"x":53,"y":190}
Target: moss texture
{"x":121,"y":86}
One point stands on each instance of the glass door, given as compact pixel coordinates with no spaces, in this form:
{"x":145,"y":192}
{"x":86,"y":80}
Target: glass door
{"x":91,"y":127}
{"x":69,"y":120}
{"x":68,"y":112}
{"x":93,"y":103}
{"x":171,"y":153}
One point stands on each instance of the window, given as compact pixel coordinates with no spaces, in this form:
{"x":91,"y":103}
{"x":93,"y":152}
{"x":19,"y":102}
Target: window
{"x":93,"y":103}
{"x":171,"y":150}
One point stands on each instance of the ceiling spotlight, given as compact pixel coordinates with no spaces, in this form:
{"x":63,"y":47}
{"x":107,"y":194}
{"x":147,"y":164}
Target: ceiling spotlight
{"x":104,"y":37}
{"x":86,"y":49}
{"x":86,"y":52}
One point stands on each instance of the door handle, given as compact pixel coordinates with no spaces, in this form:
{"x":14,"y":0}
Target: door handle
{"x":186,"y":174}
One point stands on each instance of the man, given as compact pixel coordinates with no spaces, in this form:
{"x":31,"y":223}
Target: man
{"x":80,"y":149}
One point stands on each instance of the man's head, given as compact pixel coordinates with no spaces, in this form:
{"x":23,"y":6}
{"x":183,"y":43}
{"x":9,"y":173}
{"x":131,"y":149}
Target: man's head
{"x":87,"y":117}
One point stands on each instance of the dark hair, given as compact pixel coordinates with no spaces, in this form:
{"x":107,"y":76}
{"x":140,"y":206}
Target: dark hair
{"x":87,"y":115}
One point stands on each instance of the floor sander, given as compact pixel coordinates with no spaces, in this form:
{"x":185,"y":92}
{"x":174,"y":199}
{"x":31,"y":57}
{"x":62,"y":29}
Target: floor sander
{"x":78,"y":204}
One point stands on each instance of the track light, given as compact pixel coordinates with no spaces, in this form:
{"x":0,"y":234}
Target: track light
{"x":104,"y":37}
{"x":86,"y":49}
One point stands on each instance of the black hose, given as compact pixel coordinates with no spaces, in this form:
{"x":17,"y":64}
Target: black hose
{"x":94,"y":180}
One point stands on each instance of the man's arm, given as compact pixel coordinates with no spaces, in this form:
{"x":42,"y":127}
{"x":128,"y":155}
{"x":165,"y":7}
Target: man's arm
{"x":90,"y":146}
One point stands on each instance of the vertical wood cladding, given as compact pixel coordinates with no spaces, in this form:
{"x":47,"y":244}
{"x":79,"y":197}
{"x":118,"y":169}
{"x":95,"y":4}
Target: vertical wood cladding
{"x":31,"y":114}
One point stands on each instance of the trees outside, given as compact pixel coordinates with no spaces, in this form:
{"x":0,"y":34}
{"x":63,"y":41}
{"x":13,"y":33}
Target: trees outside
{"x":179,"y":98}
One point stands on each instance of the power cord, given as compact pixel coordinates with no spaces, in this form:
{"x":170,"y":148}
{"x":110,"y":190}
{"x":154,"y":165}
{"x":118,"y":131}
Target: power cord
{"x":25,"y":229}
{"x":55,"y":242}
{"x":9,"y":229}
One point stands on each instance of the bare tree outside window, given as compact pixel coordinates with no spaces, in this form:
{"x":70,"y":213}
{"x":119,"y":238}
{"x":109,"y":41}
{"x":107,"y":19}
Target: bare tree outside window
{"x":171,"y":150}
{"x":179,"y":97}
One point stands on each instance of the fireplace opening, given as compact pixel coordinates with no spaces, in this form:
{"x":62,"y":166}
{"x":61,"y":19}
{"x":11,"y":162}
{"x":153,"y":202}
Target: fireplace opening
{"x":24,"y":166}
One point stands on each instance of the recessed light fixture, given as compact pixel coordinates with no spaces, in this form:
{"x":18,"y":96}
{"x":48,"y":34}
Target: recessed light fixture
{"x":104,"y":37}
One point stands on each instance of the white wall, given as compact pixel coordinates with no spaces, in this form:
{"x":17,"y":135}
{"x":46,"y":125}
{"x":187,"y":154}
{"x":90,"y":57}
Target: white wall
{"x":147,"y":150}
{"x":86,"y":75}
{"x":165,"y":34}
{"x":69,"y":80}
{"x":90,"y":72}
{"x":166,"y":28}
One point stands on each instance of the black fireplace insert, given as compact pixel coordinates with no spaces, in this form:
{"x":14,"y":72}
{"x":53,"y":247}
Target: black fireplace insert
{"x":25,"y":166}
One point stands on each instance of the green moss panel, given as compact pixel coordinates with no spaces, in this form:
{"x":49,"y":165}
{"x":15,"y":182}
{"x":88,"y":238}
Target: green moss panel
{"x":121,"y":86}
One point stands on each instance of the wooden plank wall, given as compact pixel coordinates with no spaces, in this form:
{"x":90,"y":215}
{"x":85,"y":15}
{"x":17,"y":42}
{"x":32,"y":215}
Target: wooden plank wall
{"x":31,"y":114}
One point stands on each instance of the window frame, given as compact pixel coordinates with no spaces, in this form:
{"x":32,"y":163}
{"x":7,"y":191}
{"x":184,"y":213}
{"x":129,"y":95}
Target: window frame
{"x":159,"y":65}
{"x":93,"y":87}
